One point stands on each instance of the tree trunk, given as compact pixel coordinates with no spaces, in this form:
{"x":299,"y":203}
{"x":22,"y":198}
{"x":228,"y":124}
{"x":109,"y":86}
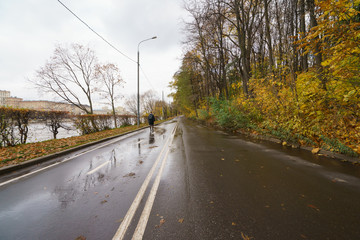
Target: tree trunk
{"x":317,"y":53}
{"x":303,"y":57}
{"x":268,"y":35}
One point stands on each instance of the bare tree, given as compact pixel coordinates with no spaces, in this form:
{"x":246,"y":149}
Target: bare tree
{"x":148,"y":100}
{"x":108,"y":76}
{"x":55,"y":120}
{"x":131,"y":104}
{"x":69,"y":74}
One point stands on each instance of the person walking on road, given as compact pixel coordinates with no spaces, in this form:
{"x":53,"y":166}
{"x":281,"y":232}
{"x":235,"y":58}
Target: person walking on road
{"x":151,"y":119}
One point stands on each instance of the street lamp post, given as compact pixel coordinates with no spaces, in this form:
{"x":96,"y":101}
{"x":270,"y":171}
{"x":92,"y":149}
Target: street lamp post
{"x":138,"y":80}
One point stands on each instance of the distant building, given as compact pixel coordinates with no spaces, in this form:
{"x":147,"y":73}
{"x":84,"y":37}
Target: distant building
{"x":3,"y":96}
{"x":13,"y":102}
{"x":121,"y":111}
{"x":50,"y":106}
{"x":7,"y":100}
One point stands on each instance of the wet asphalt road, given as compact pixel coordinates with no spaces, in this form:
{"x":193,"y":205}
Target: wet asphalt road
{"x":213,"y":186}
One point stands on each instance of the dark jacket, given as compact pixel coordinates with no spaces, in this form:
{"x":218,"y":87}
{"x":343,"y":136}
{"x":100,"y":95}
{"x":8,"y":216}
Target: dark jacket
{"x":151,"y":119}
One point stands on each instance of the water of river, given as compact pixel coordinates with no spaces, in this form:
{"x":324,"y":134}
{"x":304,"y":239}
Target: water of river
{"x":40,"y":132}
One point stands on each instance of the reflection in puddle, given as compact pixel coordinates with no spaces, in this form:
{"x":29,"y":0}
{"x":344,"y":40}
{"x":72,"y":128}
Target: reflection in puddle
{"x":139,"y":146}
{"x":152,"y":138}
{"x":65,"y":195}
{"x":69,"y":192}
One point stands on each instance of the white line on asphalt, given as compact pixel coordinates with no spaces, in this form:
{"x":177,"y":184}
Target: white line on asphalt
{"x":28,"y":174}
{"x":101,"y":166}
{"x":120,"y":233}
{"x":65,"y":160}
{"x":140,"y":229}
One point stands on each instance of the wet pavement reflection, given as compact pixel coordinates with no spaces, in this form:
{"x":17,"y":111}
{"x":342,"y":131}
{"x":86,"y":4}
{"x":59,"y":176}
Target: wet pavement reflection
{"x":95,"y":185}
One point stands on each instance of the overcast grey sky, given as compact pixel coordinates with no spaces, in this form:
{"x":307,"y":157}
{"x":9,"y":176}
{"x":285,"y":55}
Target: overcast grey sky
{"x":30,"y":29}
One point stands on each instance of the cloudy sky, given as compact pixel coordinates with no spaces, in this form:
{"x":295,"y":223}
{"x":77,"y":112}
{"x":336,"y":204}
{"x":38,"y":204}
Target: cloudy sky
{"x":30,"y":30}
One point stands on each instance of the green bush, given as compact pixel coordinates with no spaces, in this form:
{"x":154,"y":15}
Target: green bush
{"x":203,"y":114}
{"x":337,"y":146}
{"x":229,"y":116}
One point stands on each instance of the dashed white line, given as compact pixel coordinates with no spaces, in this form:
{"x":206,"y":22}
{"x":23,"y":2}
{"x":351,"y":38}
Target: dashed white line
{"x":99,"y":167}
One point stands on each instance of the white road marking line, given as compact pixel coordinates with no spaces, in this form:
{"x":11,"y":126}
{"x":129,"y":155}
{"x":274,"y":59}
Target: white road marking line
{"x":65,"y":160}
{"x":120,"y":233}
{"x":99,"y":167}
{"x":28,"y":174}
{"x":140,"y":229}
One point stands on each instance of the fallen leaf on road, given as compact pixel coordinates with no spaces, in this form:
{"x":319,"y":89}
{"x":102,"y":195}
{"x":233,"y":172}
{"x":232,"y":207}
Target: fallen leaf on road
{"x":237,"y":160}
{"x":162,"y":221}
{"x":245,"y":237}
{"x":129,"y":174}
{"x":212,"y":202}
{"x":103,"y":201}
{"x":303,"y":236}
{"x":120,"y":220}
{"x":283,"y":207}
{"x":222,"y":159}
{"x":80,"y":238}
{"x":107,"y":195}
{"x":315,"y":150}
{"x":181,"y":220}
{"x":313,"y":207}
{"x":233,"y":224}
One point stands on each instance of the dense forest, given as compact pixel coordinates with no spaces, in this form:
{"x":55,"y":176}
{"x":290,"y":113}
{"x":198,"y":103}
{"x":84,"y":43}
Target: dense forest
{"x":289,"y":68}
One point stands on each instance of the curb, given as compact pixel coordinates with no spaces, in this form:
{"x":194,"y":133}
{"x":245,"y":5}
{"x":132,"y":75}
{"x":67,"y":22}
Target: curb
{"x":35,"y":161}
{"x":321,"y":152}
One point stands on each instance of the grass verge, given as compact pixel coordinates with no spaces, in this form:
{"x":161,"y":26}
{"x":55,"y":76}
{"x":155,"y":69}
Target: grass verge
{"x":24,"y":152}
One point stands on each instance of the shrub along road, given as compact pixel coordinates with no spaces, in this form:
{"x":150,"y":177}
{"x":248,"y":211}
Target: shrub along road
{"x":24,"y":152}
